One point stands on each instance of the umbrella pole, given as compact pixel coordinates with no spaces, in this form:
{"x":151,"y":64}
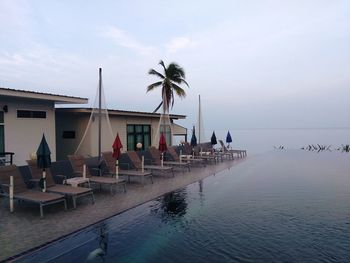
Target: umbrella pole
{"x":142,"y":164}
{"x":11,"y":193}
{"x":84,"y":171}
{"x":162,"y":160}
{"x":44,"y":180}
{"x":116,"y":169}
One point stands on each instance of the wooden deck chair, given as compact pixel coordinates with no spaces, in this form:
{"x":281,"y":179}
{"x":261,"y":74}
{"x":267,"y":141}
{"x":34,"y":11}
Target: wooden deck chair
{"x":239,"y":153}
{"x":21,"y":192}
{"x":136,"y":161}
{"x":187,"y":157}
{"x":52,"y":187}
{"x":78,"y":161}
{"x":156,"y":155}
{"x":110,"y":164}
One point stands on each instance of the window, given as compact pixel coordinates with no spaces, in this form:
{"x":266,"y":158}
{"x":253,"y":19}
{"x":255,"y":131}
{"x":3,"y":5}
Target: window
{"x":68,"y":135}
{"x":2,"y":132}
{"x":138,"y":133}
{"x":31,"y":114}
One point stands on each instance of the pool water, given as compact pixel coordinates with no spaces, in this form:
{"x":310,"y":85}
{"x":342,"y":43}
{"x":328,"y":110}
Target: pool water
{"x":284,"y":206}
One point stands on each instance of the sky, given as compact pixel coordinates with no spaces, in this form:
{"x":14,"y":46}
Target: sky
{"x":256,"y":64}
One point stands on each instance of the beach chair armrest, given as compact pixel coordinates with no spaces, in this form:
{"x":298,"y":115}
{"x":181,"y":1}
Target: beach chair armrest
{"x":127,"y":165}
{"x":62,"y":178}
{"x":97,"y":170}
{"x":5,"y":185}
{"x":2,"y":186}
{"x":34,"y":183}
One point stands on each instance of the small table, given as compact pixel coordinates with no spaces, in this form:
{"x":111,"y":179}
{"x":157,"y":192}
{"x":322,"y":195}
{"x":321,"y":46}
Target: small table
{"x":76,"y":181}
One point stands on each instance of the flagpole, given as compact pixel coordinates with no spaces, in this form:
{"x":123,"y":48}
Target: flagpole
{"x":99,"y":114}
{"x":199,"y":119}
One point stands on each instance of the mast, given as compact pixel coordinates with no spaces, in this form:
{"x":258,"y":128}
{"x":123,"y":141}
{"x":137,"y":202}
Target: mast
{"x":99,"y":113}
{"x":199,"y":119}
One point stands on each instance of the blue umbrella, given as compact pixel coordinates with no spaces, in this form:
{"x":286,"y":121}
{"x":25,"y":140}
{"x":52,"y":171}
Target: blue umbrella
{"x":43,"y":160}
{"x":213,"y":139}
{"x":228,"y":138}
{"x":193,"y":138}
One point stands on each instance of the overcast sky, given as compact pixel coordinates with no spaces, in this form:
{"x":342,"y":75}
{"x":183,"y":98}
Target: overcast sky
{"x":256,"y":64}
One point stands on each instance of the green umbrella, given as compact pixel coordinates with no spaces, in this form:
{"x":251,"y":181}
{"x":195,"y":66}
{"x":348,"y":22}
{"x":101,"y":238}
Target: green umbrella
{"x":43,"y":160}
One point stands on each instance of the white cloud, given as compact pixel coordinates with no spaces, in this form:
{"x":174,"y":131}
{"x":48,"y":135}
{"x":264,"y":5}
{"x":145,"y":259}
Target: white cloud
{"x":178,"y":43}
{"x":121,"y":38}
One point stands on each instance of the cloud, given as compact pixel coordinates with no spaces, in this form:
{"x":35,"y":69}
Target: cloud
{"x":178,"y":43}
{"x":121,"y":38}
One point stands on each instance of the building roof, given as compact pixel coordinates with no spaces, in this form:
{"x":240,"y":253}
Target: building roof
{"x":58,"y":99}
{"x":113,"y":112}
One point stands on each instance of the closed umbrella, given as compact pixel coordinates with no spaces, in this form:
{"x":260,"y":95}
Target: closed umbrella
{"x":162,"y":146}
{"x":228,"y":139}
{"x":117,"y":145}
{"x":193,"y":138}
{"x":43,"y":160}
{"x":213,"y":139}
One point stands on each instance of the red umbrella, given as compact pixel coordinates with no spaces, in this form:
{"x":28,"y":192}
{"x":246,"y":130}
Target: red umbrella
{"x":117,"y":145}
{"x":162,"y":143}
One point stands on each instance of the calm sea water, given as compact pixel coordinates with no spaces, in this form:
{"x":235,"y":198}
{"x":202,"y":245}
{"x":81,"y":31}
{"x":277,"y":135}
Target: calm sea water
{"x":258,"y":141}
{"x":283,"y":206}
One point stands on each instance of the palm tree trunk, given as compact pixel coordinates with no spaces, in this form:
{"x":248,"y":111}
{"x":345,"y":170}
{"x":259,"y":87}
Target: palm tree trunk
{"x":158,"y":107}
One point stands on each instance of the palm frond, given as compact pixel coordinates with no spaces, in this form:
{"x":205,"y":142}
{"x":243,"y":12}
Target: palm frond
{"x":154,"y":85}
{"x":179,"y":91}
{"x":154,"y":72}
{"x":156,"y":109}
{"x":162,"y":63}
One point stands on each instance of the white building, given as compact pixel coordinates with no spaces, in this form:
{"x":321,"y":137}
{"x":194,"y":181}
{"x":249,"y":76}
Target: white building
{"x":25,"y":116}
{"x":132,"y":127}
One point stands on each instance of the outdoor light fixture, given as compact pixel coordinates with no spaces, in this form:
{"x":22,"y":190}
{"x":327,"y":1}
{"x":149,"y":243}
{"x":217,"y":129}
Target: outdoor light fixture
{"x":5,"y":108}
{"x":139,"y":146}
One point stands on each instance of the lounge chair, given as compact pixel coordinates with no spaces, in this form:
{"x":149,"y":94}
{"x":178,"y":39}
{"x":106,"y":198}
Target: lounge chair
{"x":78,"y":161}
{"x":21,"y":193}
{"x":156,"y":155}
{"x":52,"y":187}
{"x":110,"y":165}
{"x":187,"y":155}
{"x":135,"y":159}
{"x":240,"y":153}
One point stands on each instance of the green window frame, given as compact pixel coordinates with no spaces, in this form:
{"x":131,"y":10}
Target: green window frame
{"x":138,"y":133}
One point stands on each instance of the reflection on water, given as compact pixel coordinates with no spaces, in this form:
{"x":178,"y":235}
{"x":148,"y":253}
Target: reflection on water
{"x":287,"y":206}
{"x":171,"y":205}
{"x":98,"y":254}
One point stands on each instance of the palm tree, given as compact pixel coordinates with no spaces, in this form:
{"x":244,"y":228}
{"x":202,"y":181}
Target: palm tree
{"x":172,"y":76}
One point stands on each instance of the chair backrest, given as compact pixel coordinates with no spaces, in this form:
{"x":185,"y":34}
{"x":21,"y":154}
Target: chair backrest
{"x":77,"y":162}
{"x":109,"y":160}
{"x":156,"y":154}
{"x":173,"y":153}
{"x":18,"y":182}
{"x":187,"y":148}
{"x":224,"y":149}
{"x":135,"y":159}
{"x":37,"y":173}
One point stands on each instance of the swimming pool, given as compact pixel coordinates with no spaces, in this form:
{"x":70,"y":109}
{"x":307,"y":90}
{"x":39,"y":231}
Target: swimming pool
{"x":281,"y":206}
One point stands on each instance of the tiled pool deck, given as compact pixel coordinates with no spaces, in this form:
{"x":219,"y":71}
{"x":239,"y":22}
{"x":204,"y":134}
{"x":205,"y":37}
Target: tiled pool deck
{"x":23,"y":229}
